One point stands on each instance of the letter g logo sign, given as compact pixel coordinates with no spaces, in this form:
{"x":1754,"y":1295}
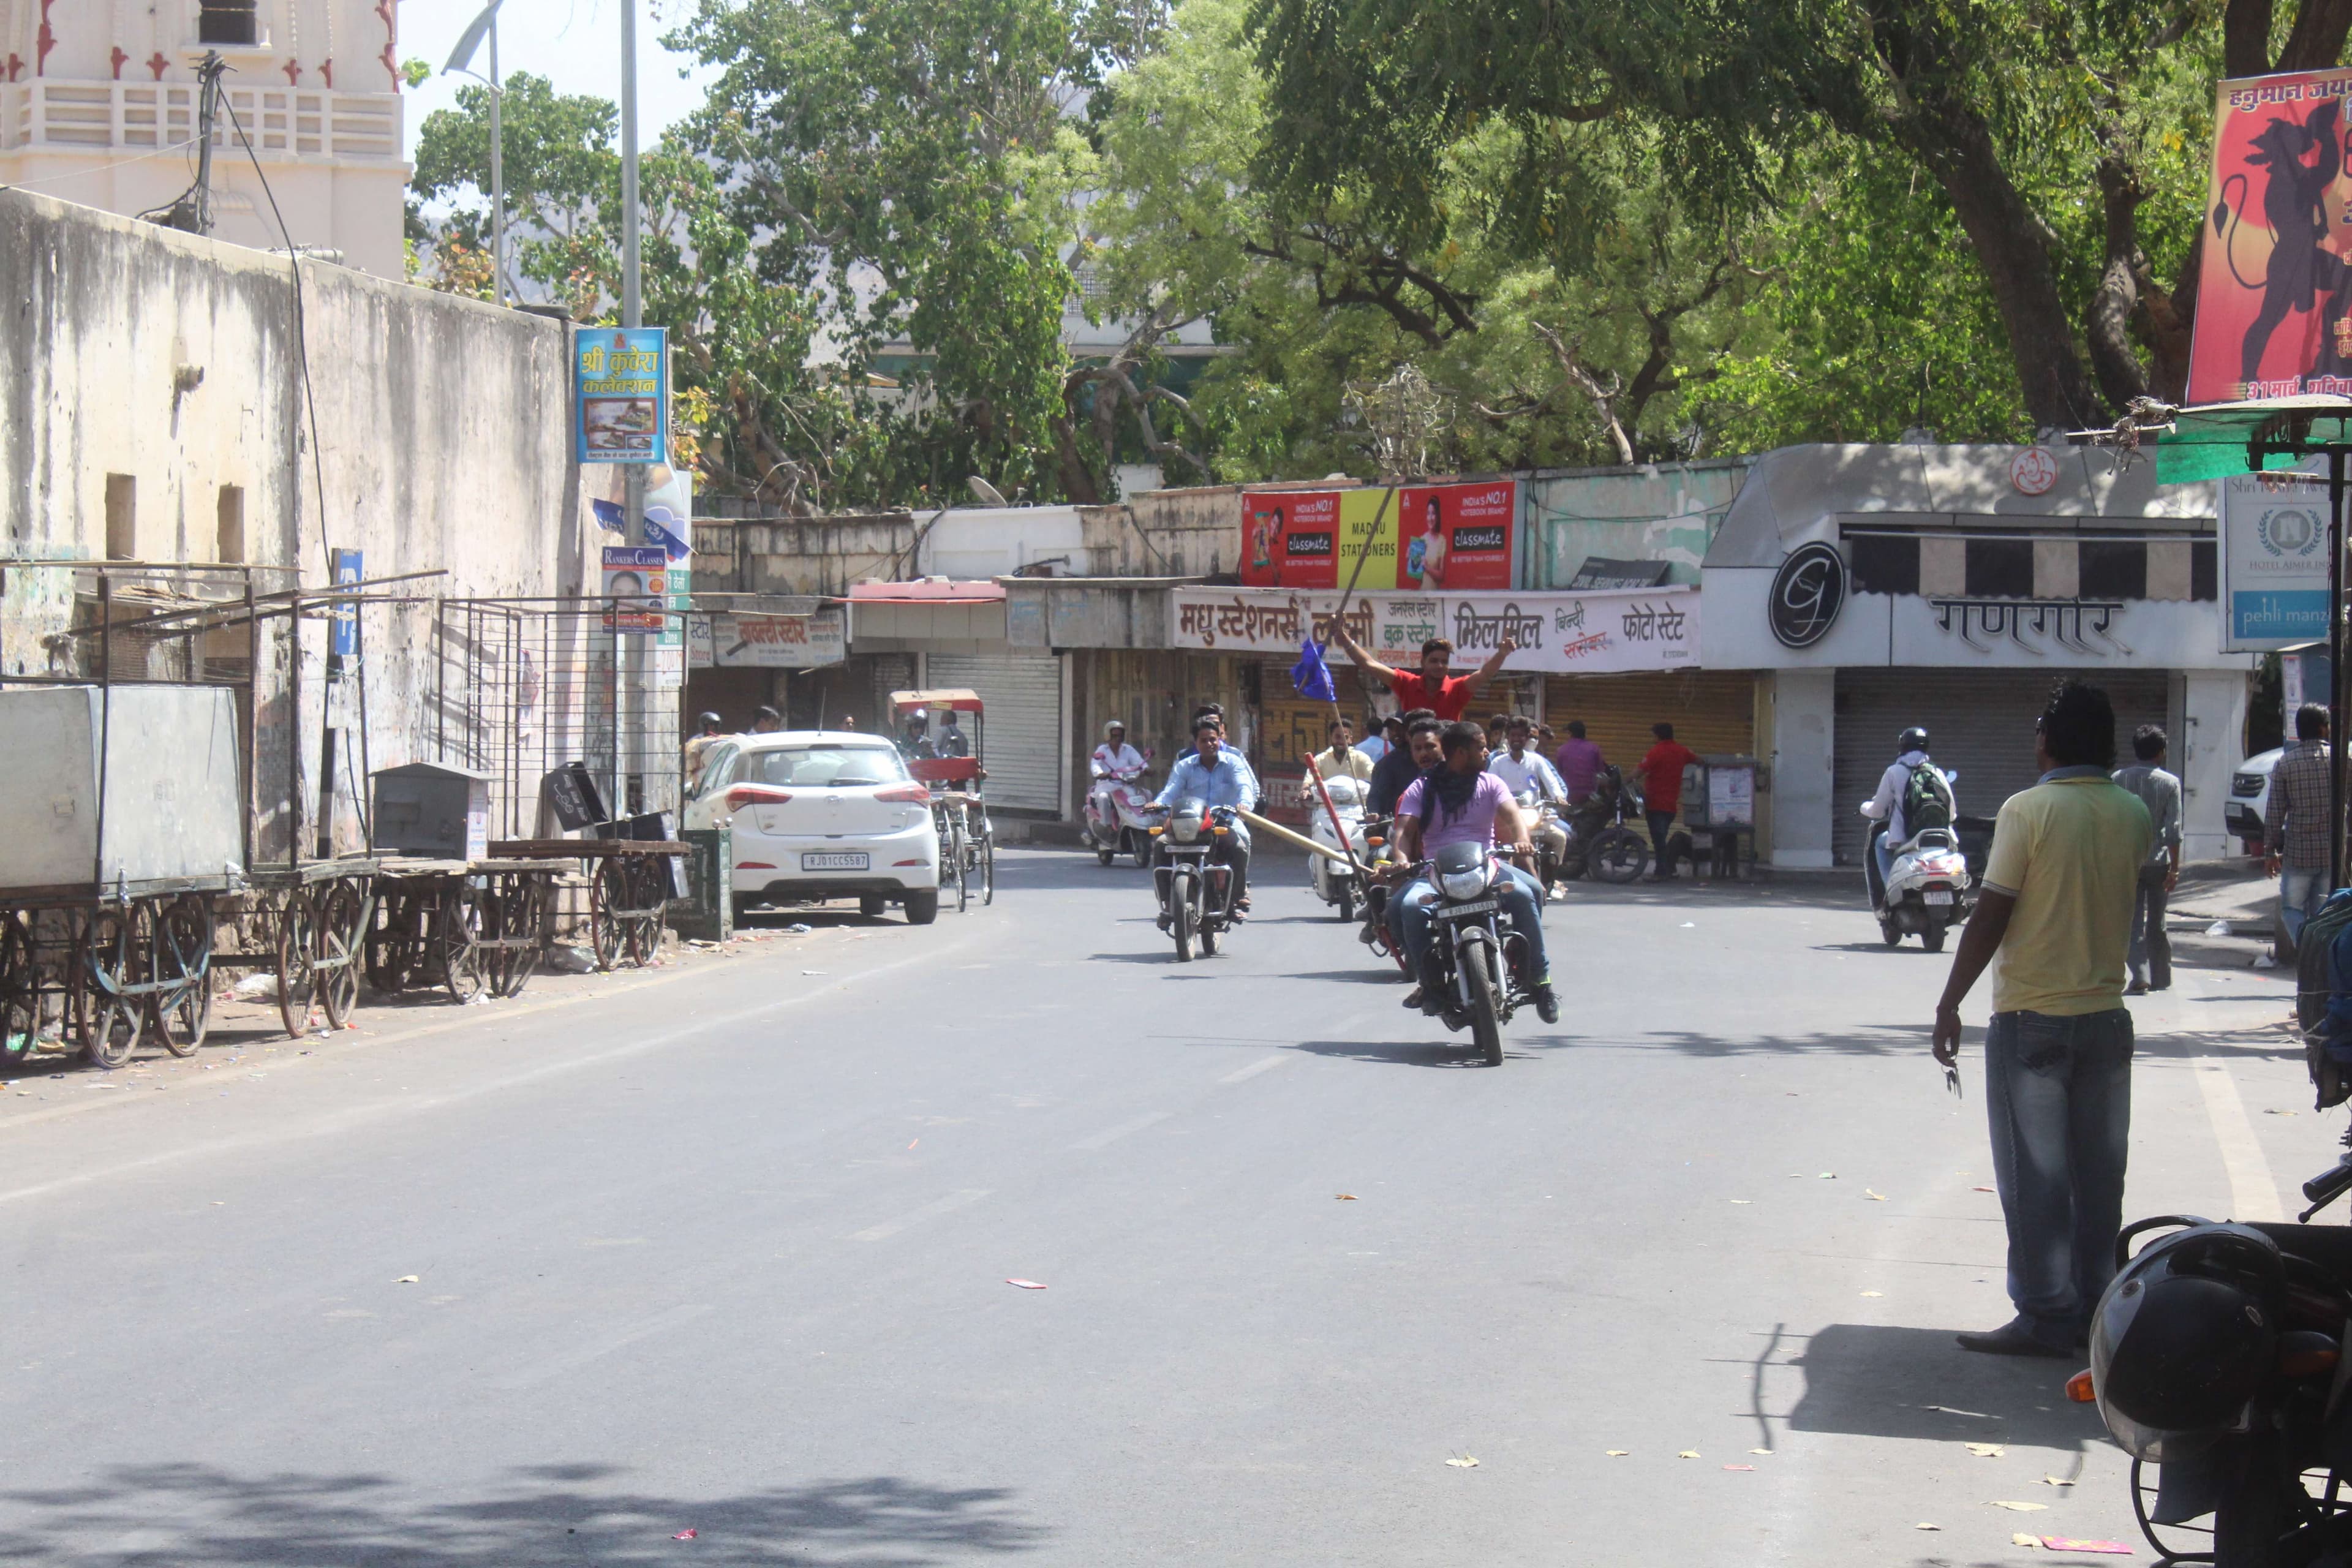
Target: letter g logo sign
{"x":1807,"y":593}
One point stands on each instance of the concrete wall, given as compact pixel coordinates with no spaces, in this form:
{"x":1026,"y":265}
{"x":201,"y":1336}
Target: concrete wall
{"x":1165,"y":534}
{"x":2207,"y":746}
{"x":973,"y":543}
{"x":172,"y":365}
{"x":1802,"y":754}
{"x":1662,"y":511}
{"x":801,"y":554}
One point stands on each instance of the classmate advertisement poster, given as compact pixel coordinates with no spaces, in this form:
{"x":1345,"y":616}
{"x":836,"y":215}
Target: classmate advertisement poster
{"x":1418,"y":538}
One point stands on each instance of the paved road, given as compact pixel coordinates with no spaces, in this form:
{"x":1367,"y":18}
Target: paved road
{"x":726,"y":1250}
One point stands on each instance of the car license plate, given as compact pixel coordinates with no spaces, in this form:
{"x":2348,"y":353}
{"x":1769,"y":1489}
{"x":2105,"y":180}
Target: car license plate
{"x":1475,"y":907}
{"x":833,"y":860}
{"x":1940,"y":898}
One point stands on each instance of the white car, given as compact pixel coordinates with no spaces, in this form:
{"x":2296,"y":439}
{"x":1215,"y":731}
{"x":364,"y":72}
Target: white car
{"x":821,"y":813}
{"x":2250,"y":795}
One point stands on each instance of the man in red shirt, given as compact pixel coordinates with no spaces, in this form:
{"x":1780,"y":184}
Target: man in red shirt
{"x":1661,"y":773}
{"x":1430,"y":689}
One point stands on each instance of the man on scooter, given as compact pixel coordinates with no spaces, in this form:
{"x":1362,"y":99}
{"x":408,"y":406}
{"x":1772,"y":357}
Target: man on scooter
{"x":1115,"y":758}
{"x":1216,"y":775}
{"x":1460,"y":802}
{"x":1887,"y":804}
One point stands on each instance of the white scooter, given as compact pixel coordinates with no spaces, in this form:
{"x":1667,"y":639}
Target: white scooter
{"x":1928,"y":890}
{"x":1334,"y":883}
{"x":1119,"y":815}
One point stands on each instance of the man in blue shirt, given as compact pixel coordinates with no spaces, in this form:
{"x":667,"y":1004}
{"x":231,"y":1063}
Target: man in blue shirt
{"x":1215,"y":774}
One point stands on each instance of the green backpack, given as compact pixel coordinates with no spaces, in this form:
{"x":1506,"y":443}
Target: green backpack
{"x":1926,"y":800}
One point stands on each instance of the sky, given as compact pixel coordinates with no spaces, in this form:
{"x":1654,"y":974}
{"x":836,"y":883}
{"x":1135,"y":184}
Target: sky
{"x":575,"y":44}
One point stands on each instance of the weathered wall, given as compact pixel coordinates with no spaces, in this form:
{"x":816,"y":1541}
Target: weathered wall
{"x":801,"y":555}
{"x":1660,"y":512}
{"x":1165,"y":534}
{"x":173,"y":363}
{"x":972,"y":542}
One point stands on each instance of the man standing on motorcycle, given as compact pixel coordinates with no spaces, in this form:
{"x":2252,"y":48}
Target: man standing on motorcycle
{"x":1216,"y":775}
{"x":1115,"y":758}
{"x":1432,"y":688}
{"x":1894,"y":788}
{"x":1456,"y":803}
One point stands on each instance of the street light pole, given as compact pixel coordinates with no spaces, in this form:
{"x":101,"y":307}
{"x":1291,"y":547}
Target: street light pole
{"x":638,"y":701}
{"x":497,"y":177}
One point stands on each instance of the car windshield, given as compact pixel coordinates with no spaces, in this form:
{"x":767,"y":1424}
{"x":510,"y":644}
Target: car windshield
{"x":825,"y":767}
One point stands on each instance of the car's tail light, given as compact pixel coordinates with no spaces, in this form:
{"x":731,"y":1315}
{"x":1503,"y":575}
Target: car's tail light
{"x":754,"y":866}
{"x":740,"y":796}
{"x":904,"y":795}
{"x":914,"y":862}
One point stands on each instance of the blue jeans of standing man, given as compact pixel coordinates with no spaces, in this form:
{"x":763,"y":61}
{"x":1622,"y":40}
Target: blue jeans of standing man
{"x":1522,"y":906}
{"x":2301,"y":891}
{"x":2058,"y":1095}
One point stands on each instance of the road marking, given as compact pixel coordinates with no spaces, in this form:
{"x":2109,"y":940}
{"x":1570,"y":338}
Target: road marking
{"x":1110,"y":1135}
{"x":547,"y":1371}
{"x":1262,"y":1064}
{"x":948,"y":1204}
{"x":2253,"y":1195}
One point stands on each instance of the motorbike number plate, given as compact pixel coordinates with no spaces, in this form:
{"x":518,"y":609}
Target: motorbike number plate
{"x":1475,"y":907}
{"x":833,"y":860}
{"x":1940,"y":898}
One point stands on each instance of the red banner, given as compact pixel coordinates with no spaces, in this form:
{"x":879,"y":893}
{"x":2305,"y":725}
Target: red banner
{"x":2275,"y":293}
{"x":1429,"y":538}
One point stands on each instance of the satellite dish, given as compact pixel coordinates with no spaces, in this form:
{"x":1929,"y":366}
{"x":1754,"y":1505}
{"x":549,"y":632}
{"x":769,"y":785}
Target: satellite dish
{"x":986,"y":492}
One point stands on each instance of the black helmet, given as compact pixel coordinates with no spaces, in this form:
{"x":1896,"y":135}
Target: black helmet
{"x":1914,"y":738}
{"x":2185,"y":1333}
{"x":711,"y":721}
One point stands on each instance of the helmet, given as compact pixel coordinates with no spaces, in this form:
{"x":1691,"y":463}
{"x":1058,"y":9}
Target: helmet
{"x":1115,"y":724}
{"x":1914,"y":738}
{"x":2185,"y":1334}
{"x":711,"y":721}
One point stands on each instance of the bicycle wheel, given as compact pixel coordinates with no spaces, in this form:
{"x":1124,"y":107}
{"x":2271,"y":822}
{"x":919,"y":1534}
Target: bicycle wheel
{"x":988,"y":868}
{"x":952,"y":859}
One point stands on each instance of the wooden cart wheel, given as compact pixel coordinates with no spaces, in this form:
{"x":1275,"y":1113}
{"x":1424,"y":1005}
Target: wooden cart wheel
{"x":523,"y":906}
{"x":497,"y":899}
{"x":456,"y":938}
{"x":340,"y":913}
{"x":648,"y":890}
{"x":184,"y":959}
{"x":396,"y":944}
{"x":298,"y":951}
{"x":607,"y":893}
{"x":20,"y":992}
{"x":114,"y":950}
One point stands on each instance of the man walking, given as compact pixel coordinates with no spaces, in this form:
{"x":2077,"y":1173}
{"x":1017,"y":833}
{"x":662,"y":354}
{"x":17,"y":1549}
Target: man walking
{"x":2151,"y":947}
{"x":2296,"y":823}
{"x":1579,"y":762}
{"x":1661,"y":772}
{"x":2055,"y":907}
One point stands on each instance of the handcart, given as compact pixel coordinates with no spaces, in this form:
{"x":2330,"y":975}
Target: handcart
{"x":467,"y":926}
{"x":631,"y":883}
{"x":958,"y":811}
{"x":309,"y":922}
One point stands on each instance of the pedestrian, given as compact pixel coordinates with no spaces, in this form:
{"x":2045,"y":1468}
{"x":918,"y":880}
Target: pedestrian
{"x":2151,"y":947}
{"x":2297,"y":822}
{"x":1342,"y":757}
{"x":1498,"y":726}
{"x":1661,"y":773}
{"x":1385,"y":736}
{"x":952,"y":742}
{"x":2055,"y":907}
{"x":707,"y":729}
{"x":1579,"y":761}
{"x":766,"y":721}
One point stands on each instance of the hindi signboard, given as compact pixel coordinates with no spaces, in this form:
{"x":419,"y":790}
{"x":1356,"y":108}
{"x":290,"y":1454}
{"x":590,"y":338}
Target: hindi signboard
{"x":1427,"y":537}
{"x":620,"y":377}
{"x":1595,"y":633}
{"x":779,"y":642}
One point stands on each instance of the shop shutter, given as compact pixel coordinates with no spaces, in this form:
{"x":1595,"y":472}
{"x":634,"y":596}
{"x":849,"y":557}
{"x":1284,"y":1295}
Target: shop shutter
{"x":1021,"y":734}
{"x":1979,"y":722}
{"x":1712,"y":711}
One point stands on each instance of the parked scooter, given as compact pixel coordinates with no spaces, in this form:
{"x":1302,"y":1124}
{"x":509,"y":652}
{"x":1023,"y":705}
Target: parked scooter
{"x":1334,"y":883}
{"x":1482,"y":967}
{"x":2217,"y":1355}
{"x":1194,"y":885}
{"x":1119,"y":815}
{"x":1928,"y":890}
{"x":1599,"y":844}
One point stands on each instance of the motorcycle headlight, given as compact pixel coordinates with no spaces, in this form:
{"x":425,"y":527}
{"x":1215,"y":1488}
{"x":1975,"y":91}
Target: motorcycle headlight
{"x":1185,"y":829}
{"x":1463,"y":885}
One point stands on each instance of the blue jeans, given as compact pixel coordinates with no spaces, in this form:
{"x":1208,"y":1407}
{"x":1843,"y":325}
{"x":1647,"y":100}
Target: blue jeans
{"x":2301,"y":892}
{"x":2058,"y":1095}
{"x":1522,"y":905}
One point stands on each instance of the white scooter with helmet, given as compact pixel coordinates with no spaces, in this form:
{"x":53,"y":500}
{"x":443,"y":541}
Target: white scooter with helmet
{"x":1917,"y":878}
{"x":1118,"y":812}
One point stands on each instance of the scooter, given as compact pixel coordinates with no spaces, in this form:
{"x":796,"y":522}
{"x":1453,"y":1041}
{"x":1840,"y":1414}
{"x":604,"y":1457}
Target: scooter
{"x":1550,"y":836}
{"x":1332,"y":882}
{"x":1119,"y":815}
{"x":1481,"y":968}
{"x":1928,"y":890}
{"x":1194,"y":886}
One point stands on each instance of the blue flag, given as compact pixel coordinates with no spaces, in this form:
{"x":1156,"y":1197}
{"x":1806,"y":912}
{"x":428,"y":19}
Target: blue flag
{"x":1312,"y":675}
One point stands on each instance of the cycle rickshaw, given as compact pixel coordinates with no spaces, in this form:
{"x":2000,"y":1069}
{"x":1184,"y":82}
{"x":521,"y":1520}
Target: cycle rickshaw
{"x":967,"y":842}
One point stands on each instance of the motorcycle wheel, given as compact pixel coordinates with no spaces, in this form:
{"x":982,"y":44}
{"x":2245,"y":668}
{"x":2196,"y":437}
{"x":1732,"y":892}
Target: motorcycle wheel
{"x":1486,"y":1026}
{"x":1890,"y":933}
{"x":1102,"y":854}
{"x":1617,"y":855}
{"x":1179,"y":897}
{"x":1932,"y":939}
{"x":1139,"y":848}
{"x":1210,"y":937}
{"x":1347,"y":904}
{"x":2265,"y":1521}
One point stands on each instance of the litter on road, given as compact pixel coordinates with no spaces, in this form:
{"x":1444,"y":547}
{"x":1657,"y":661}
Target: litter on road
{"x":1025,"y":1284}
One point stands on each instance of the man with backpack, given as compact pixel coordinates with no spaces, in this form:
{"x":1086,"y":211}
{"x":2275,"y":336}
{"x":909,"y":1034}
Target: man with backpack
{"x":1913,"y":793}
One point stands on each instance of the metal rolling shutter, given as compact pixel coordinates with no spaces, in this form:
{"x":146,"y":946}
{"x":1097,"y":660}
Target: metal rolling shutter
{"x":1712,"y":711}
{"x":1979,"y":722}
{"x":1021,"y":733}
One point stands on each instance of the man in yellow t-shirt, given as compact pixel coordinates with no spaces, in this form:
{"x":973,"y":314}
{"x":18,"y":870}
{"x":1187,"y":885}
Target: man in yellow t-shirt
{"x":2054,"y":910}
{"x":1342,"y":757}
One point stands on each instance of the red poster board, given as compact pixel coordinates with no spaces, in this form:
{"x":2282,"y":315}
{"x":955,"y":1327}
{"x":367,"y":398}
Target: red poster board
{"x":1429,"y":538}
{"x":2275,"y":287}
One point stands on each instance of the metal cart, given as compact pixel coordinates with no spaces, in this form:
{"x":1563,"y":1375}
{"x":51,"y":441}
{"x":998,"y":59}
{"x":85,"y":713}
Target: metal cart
{"x":467,"y":926}
{"x":631,"y":883}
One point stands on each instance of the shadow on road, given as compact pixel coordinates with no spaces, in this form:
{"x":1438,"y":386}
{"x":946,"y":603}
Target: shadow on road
{"x":1866,"y":1381}
{"x":572,"y":1514}
{"x":1442,"y":1053}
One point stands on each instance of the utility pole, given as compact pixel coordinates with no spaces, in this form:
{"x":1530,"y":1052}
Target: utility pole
{"x":461,"y":59}
{"x":637,"y":715}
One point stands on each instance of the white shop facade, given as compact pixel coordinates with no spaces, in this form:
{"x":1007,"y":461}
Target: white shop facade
{"x":1870,"y":588}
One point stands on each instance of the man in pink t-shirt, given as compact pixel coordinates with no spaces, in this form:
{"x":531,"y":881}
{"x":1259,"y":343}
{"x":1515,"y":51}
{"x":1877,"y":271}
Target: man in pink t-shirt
{"x":1460,"y":803}
{"x":1579,"y":762}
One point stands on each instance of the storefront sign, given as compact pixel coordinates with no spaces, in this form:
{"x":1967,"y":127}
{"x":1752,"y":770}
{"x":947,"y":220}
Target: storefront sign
{"x":621,"y":393}
{"x":1652,"y":628}
{"x":1420,"y":537}
{"x":636,"y":583}
{"x":772,"y":642}
{"x":2274,"y":550}
{"x":1807,"y":593}
{"x":2082,"y":628}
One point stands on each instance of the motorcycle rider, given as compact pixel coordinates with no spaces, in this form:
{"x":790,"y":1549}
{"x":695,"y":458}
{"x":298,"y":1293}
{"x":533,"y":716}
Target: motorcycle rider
{"x":1524,"y":769}
{"x":1215,"y":774}
{"x":1342,"y":757}
{"x":916,"y":743}
{"x":1460,"y":802}
{"x":1115,"y":758}
{"x":1404,"y":764}
{"x":1886,"y":806}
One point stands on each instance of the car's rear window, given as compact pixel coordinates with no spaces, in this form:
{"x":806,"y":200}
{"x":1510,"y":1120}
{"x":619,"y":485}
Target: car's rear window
{"x":824,"y":767}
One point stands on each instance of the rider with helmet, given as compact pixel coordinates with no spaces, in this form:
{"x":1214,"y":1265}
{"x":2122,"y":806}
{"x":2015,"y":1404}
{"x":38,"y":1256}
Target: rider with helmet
{"x":1115,"y":758}
{"x":1910,"y":783}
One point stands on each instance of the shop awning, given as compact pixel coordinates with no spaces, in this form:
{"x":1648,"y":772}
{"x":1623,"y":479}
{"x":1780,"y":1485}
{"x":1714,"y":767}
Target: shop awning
{"x":2210,"y":442}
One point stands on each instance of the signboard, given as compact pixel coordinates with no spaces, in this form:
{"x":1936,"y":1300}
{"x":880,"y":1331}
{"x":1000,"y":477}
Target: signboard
{"x":770,"y":642}
{"x":636,"y":582}
{"x":1452,"y":537}
{"x":1596,"y":633}
{"x":2274,"y":550}
{"x":343,"y":638}
{"x":2273,"y":318}
{"x":621,"y":376}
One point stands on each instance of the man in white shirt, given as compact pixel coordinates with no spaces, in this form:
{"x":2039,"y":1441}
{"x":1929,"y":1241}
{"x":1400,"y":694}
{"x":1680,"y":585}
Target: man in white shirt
{"x":1911,"y":752}
{"x":1523,"y":768}
{"x":1115,"y":758}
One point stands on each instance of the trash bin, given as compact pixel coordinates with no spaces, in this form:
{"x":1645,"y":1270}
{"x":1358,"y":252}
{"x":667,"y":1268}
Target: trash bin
{"x":709,"y":911}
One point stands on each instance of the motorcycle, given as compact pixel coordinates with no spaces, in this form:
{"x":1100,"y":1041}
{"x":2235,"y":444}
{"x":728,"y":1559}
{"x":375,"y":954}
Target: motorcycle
{"x":1480,"y":968}
{"x":1378,"y":855}
{"x":1119,"y":815}
{"x":1928,"y":890}
{"x":2216,"y":1355}
{"x":1332,"y":882}
{"x":1599,"y":844}
{"x":1194,"y":885}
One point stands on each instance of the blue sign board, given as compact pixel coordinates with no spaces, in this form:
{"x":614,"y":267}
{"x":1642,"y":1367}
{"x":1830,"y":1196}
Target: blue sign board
{"x":344,"y":634}
{"x":621,"y":376}
{"x":2275,"y":616}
